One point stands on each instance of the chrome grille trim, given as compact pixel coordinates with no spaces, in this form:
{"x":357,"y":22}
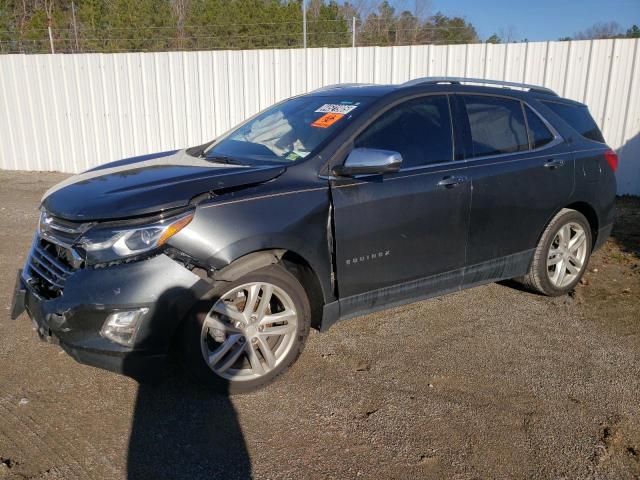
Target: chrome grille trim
{"x":59,"y":231}
{"x":44,"y":269}
{"x":62,"y":228}
{"x":46,"y":277}
{"x":52,"y":261}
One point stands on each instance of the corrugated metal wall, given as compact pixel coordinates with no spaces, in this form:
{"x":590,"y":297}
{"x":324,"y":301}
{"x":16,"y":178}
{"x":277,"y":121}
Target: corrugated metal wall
{"x":71,"y":112}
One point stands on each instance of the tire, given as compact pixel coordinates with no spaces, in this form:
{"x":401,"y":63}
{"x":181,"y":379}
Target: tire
{"x":541,"y":275}
{"x":245,"y":333}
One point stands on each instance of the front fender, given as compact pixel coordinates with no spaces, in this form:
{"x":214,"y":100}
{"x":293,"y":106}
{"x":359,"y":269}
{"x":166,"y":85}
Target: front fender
{"x":224,"y":231}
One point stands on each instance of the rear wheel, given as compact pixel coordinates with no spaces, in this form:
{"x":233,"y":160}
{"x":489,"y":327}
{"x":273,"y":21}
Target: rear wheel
{"x":561,"y":256}
{"x":250,"y":332}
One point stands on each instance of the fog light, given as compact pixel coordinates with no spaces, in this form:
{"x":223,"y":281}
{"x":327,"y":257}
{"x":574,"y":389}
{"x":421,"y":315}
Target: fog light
{"x":121,"y":327}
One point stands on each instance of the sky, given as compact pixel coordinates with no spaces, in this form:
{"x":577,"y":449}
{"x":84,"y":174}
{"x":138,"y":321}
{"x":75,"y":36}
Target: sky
{"x":536,"y":20}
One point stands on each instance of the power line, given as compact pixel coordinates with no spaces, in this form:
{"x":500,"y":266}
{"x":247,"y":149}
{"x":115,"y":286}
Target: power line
{"x":226,"y":25}
{"x":115,"y":49}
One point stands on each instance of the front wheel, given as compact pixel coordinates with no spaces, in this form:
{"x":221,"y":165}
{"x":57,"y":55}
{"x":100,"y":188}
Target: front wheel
{"x":561,"y":256}
{"x":250,"y":332}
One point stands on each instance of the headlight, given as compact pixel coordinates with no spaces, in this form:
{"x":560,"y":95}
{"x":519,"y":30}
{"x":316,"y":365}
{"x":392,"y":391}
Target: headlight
{"x":108,"y":243}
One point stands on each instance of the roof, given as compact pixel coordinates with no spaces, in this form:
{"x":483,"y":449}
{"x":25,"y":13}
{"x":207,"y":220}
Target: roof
{"x":473,"y":84}
{"x":355,"y":90}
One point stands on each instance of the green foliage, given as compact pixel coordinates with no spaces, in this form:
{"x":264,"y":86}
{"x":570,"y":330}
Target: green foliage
{"x":633,"y":32}
{"x":441,"y":29}
{"x":385,"y":27}
{"x":158,"y":25}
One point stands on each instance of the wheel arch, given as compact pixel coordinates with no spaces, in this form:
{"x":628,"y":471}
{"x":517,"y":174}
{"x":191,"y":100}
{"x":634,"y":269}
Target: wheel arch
{"x":590,"y":214}
{"x":579,"y":206}
{"x":292,"y":261}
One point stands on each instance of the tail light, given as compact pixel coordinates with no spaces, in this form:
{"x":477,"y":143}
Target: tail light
{"x":612,"y":159}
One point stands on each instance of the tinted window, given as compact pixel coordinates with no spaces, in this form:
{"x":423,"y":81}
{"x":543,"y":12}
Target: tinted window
{"x":419,"y":129}
{"x":497,"y":125}
{"x":579,"y":118}
{"x":540,"y":134}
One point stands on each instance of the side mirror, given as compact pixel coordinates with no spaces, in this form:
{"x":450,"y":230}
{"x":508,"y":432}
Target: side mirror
{"x":369,"y":161}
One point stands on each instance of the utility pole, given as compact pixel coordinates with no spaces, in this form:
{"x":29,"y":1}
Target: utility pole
{"x":353,"y":31}
{"x":75,"y":27}
{"x":304,"y":23}
{"x":51,"y":37}
{"x":48,"y":6}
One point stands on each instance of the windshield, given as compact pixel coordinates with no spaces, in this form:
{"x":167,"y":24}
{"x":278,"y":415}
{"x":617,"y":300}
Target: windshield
{"x":289,"y":131}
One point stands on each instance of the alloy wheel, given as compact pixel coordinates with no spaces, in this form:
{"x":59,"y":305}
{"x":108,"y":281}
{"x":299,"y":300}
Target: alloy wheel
{"x":249,"y":331}
{"x":567,"y":255}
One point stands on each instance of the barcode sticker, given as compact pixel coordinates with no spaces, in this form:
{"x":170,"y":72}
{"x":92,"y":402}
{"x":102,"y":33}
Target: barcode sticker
{"x":336,"y":108}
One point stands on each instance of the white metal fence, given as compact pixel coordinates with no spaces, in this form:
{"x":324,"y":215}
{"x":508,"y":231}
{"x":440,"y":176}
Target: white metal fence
{"x":72,"y":112}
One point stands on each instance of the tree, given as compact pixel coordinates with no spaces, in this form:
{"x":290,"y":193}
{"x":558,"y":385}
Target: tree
{"x":633,"y":32}
{"x":157,"y":25}
{"x":493,"y":39}
{"x":441,"y":29}
{"x":379,"y":28}
{"x":327,"y":25}
{"x":599,"y":30}
{"x":508,"y":34}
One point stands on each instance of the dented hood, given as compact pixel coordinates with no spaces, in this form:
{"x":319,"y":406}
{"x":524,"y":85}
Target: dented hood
{"x":147,"y":184}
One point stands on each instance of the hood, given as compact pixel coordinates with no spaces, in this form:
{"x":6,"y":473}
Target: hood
{"x":145,"y":185}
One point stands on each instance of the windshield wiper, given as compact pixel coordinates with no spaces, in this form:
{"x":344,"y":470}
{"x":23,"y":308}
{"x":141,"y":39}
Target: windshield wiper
{"x":224,"y":159}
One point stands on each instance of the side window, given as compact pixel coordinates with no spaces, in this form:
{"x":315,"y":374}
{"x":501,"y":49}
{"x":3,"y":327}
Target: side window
{"x":419,"y":129}
{"x":497,"y":125}
{"x":579,"y":118}
{"x":538,"y":131}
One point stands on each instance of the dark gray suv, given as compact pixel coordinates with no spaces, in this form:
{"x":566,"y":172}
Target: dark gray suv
{"x":346,"y":200}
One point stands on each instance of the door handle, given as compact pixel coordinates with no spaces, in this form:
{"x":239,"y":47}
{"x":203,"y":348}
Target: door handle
{"x":451,"y":181}
{"x":553,"y":164}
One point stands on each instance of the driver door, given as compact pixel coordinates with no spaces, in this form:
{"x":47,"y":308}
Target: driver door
{"x":402,"y":236}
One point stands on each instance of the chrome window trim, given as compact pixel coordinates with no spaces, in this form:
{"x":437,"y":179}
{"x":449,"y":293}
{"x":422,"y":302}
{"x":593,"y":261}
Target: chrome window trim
{"x":557,"y":138}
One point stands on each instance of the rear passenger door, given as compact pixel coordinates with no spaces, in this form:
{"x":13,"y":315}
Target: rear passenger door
{"x":521,"y":173}
{"x":402,"y":235}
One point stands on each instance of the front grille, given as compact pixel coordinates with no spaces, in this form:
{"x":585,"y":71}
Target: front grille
{"x":45,"y":263}
{"x":52,"y":258}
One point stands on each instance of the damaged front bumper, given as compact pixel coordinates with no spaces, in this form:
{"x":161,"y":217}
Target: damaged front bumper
{"x":160,"y":285}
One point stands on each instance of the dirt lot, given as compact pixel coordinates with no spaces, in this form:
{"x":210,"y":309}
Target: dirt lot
{"x":490,"y":382}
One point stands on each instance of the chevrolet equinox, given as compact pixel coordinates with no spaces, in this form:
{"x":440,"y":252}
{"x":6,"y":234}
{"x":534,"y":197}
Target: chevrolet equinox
{"x":328,"y":205}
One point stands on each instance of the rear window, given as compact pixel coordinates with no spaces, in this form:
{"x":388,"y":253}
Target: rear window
{"x":579,"y":118}
{"x":497,"y":125}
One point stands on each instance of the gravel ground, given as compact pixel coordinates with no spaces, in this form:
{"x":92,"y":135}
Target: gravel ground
{"x":489,"y":382}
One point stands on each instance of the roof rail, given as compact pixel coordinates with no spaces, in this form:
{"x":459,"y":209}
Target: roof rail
{"x":459,"y":80}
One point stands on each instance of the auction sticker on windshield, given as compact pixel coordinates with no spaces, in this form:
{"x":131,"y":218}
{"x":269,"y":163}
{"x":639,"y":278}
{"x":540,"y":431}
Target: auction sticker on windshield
{"x":327,"y":120}
{"x":336,"y":108}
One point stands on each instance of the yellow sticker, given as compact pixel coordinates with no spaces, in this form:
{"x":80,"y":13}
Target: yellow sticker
{"x":327,"y":120}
